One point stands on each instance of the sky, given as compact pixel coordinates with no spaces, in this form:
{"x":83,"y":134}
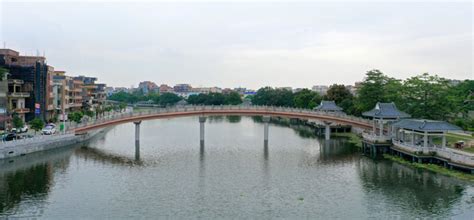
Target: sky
{"x":245,"y":44}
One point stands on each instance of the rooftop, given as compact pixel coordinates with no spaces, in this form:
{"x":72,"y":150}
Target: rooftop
{"x":426,"y":125}
{"x":328,"y":106}
{"x":386,"y":110}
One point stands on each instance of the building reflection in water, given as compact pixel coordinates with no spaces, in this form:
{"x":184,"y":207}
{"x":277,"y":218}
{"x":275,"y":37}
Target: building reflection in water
{"x":421,"y":192}
{"x":30,"y":176}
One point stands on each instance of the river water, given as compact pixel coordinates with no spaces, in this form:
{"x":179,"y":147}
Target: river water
{"x":232,"y":176}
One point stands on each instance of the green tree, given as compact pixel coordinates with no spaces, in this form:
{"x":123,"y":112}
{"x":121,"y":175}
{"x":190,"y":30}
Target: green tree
{"x":3,"y":72}
{"x":169,"y":99}
{"x":273,"y":97}
{"x":426,"y":96}
{"x":75,"y":116}
{"x":37,"y":124}
{"x":338,"y":93}
{"x":17,"y":122}
{"x":233,"y":98}
{"x":377,"y":87}
{"x":306,"y":99}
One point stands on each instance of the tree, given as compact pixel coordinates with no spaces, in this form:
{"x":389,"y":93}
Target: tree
{"x":273,"y":97}
{"x":233,"y":98}
{"x":426,"y":96}
{"x":75,"y":116}
{"x":3,"y":72}
{"x":17,"y":122}
{"x":377,"y":87}
{"x":169,"y":99}
{"x":338,"y":93}
{"x":306,"y":99}
{"x":36,"y":124}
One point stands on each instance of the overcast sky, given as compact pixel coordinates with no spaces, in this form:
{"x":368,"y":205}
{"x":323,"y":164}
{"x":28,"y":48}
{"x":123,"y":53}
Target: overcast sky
{"x":244,"y":44}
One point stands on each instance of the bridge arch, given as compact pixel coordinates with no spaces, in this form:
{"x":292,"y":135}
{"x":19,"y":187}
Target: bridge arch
{"x":186,"y":111}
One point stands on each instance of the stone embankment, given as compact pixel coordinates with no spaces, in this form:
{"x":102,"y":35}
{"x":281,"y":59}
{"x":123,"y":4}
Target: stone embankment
{"x":41,"y":143}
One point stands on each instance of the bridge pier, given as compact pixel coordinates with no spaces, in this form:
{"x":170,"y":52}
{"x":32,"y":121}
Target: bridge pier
{"x":327,"y":130}
{"x":202,"y":120}
{"x":266,"y":120}
{"x":137,"y":139}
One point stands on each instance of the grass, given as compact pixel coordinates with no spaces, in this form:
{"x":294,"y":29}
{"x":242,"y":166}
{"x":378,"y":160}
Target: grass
{"x":453,"y":138}
{"x":432,"y":167}
{"x":353,"y":138}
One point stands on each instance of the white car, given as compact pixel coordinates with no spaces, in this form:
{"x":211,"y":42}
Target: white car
{"x":21,"y":130}
{"x":49,"y":129}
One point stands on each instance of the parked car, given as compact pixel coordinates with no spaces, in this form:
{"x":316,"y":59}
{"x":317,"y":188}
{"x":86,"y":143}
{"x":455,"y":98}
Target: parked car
{"x":10,"y":137}
{"x":21,"y":130}
{"x":49,"y":129}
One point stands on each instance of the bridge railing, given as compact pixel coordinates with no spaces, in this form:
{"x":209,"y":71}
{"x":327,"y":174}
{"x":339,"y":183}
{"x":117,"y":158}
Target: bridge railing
{"x":443,"y":152}
{"x":202,"y":108}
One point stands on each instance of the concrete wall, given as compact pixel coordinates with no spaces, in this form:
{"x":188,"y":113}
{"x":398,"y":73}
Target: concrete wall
{"x":23,"y":147}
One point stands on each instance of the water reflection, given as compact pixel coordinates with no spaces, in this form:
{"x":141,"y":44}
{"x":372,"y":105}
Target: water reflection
{"x":104,"y":157}
{"x":421,"y":193}
{"x":235,"y":178}
{"x":30,"y":176}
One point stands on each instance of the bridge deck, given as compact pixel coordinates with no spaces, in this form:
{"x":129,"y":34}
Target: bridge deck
{"x":220,"y":110}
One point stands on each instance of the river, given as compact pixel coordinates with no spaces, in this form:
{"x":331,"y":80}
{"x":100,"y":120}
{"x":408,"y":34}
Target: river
{"x":233,"y":176}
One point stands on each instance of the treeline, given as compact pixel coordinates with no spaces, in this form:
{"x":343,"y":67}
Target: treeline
{"x":232,"y":98}
{"x":138,"y":96}
{"x":423,"y":96}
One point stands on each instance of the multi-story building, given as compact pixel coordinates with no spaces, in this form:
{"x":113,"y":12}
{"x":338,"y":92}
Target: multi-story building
{"x":182,"y":88}
{"x":16,"y":98}
{"x":93,"y":94}
{"x":166,"y":89}
{"x":147,"y":87}
{"x":37,"y":81}
{"x":4,"y":118}
{"x":320,"y":89}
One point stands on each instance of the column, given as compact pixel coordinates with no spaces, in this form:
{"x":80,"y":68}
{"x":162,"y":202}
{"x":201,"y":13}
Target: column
{"x":413,"y":138}
{"x":266,"y":120}
{"x":137,"y":139}
{"x":425,"y":139}
{"x":443,"y":142}
{"x":381,"y":127}
{"x":327,"y":130}
{"x":202,"y":120}
{"x":373,"y":126}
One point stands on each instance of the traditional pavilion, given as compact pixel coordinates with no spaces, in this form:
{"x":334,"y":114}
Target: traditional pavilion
{"x":384,"y":113}
{"x":328,"y":106}
{"x":422,"y":133}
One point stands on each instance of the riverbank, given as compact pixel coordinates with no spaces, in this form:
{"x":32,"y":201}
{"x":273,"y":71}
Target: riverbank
{"x":43,"y":143}
{"x":431,"y":167}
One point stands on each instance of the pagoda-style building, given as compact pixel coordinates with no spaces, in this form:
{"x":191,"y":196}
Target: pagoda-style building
{"x":382,"y":115}
{"x":425,"y":141}
{"x":331,"y":108}
{"x":328,"y":106}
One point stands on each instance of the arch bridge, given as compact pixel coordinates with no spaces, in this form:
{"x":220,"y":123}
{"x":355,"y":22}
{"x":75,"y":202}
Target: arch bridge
{"x":202,"y":111}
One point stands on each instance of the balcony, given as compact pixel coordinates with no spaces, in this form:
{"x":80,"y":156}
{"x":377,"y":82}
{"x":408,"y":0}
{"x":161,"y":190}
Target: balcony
{"x":73,"y":105}
{"x":15,"y":81}
{"x":21,"y":110}
{"x":18,"y":94}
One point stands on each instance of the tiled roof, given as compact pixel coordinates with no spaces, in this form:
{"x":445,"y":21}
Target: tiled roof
{"x":328,"y":106}
{"x":386,"y":110}
{"x":426,"y":125}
